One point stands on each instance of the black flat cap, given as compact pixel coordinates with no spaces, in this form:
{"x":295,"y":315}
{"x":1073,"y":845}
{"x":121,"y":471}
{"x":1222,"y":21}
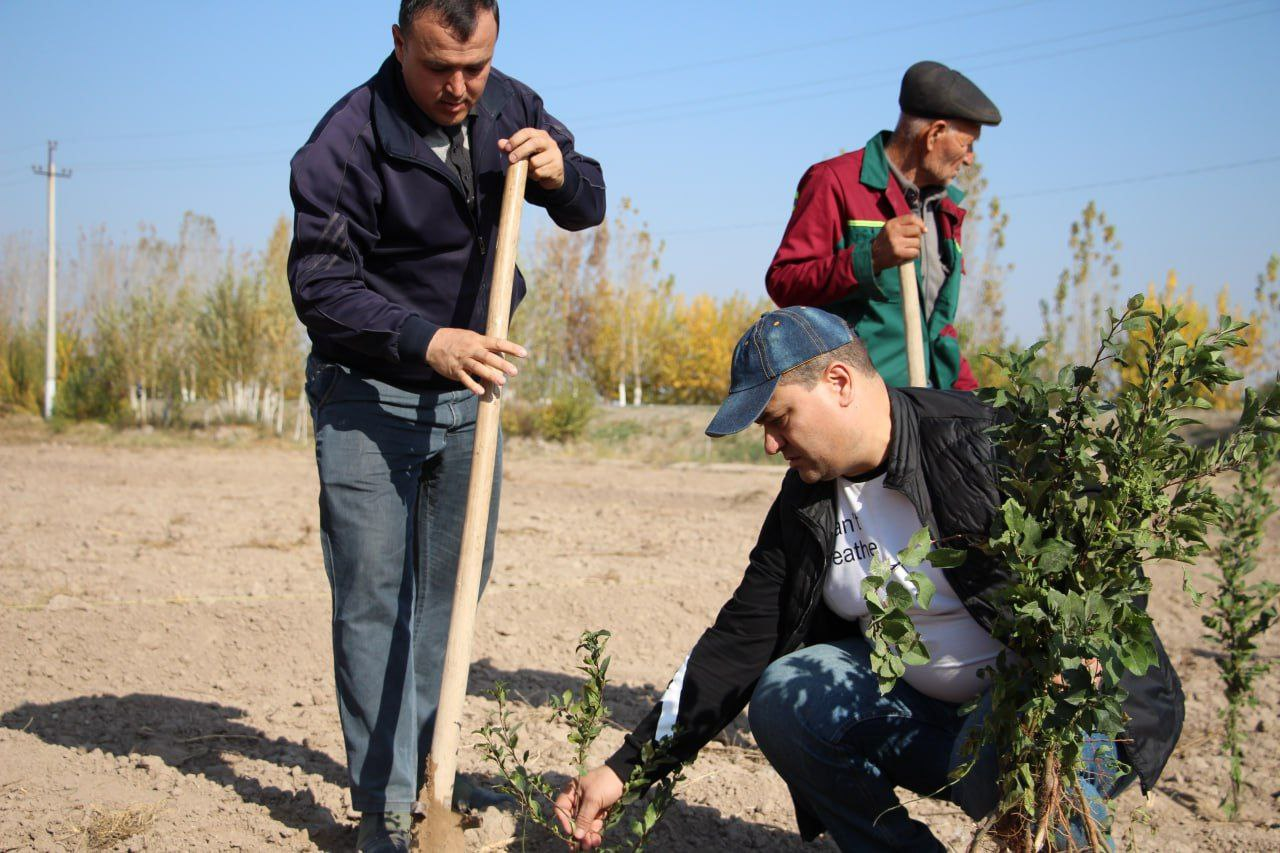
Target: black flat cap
{"x":932,"y":90}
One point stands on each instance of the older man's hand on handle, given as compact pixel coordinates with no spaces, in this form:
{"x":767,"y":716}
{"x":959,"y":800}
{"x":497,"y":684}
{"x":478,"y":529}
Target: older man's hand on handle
{"x":584,"y":803}
{"x":898,"y":245}
{"x":897,"y":242}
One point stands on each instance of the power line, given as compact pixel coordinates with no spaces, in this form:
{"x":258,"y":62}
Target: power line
{"x":206,"y":131}
{"x":810,"y":94}
{"x":795,"y":48}
{"x":864,"y":34}
{"x":18,"y":148}
{"x":794,"y":92}
{"x":567,"y":86}
{"x":638,"y":116}
{"x":1156,"y":176}
{"x":171,"y":134}
{"x":187,"y":162}
{"x":1129,"y":40}
{"x":711,"y":229}
{"x":892,"y":73}
{"x":1115,"y":182}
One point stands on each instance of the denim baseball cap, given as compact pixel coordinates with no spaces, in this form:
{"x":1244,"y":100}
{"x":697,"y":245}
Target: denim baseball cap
{"x":777,"y":342}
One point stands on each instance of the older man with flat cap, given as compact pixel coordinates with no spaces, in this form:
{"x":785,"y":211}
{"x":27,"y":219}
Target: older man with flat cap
{"x":858,"y":217}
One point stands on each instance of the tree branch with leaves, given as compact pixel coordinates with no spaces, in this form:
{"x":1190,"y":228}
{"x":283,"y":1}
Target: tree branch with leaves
{"x":1096,"y":485}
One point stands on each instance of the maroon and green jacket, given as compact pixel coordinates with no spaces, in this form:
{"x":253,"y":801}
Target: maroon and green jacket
{"x":825,"y":261}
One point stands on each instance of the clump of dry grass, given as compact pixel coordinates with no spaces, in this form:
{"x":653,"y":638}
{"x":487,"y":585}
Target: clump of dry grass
{"x":105,"y":828}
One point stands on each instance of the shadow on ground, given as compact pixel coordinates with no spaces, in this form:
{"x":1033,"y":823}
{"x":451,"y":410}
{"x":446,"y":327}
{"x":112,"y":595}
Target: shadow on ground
{"x":628,"y":705}
{"x":535,"y":687}
{"x":690,"y":829}
{"x":208,"y":739}
{"x":687,"y":827}
{"x":194,"y":738}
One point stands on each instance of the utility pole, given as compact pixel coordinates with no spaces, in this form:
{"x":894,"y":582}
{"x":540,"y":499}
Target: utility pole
{"x":51,"y":321}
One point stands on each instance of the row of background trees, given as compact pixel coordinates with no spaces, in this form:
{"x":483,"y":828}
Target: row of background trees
{"x":190,"y":330}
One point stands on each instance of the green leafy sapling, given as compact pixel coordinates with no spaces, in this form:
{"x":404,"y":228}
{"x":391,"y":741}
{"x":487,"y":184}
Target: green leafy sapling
{"x":890,"y":591}
{"x":1096,"y":484}
{"x":585,"y":715}
{"x":1242,"y":611}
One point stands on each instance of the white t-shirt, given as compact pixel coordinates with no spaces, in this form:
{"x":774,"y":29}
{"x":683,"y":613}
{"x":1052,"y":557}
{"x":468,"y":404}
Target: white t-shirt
{"x":875,"y":520}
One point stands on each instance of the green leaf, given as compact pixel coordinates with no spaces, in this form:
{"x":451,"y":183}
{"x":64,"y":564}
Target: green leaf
{"x":925,"y":589}
{"x":880,"y":567}
{"x":896,"y":626}
{"x":915,"y":655}
{"x":1196,"y":597}
{"x":947,"y":558}
{"x":1055,"y":556}
{"x":914,"y":554}
{"x":899,"y":596}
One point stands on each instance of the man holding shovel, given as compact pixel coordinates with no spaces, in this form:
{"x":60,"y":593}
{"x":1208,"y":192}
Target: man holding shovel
{"x":397,"y":196}
{"x":886,"y":205}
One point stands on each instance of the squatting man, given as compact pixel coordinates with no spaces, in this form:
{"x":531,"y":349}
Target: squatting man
{"x":869,"y":465}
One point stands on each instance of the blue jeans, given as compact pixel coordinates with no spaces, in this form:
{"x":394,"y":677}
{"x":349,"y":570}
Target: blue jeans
{"x":842,"y":747}
{"x":394,"y":467}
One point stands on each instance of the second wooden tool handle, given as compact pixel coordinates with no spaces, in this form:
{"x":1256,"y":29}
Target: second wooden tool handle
{"x":912,"y":331}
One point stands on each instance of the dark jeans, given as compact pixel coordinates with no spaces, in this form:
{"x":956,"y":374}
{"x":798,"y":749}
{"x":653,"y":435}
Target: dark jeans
{"x":819,"y":717}
{"x":394,"y":467}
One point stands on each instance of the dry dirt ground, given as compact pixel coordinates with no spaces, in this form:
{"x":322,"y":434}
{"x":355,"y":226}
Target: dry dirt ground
{"x":164,"y":647}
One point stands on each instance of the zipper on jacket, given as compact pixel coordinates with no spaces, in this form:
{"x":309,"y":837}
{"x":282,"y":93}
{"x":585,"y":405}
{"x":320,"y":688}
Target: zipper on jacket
{"x":816,"y":592}
{"x":455,"y":183}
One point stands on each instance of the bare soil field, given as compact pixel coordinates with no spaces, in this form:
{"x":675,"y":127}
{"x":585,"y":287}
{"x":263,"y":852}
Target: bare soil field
{"x":165,"y":665}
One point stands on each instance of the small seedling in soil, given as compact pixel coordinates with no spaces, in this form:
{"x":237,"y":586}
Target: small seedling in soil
{"x":585,"y":715}
{"x":1242,"y":611}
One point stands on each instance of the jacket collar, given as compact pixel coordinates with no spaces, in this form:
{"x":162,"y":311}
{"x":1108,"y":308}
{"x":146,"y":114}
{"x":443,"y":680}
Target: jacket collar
{"x":816,"y":502}
{"x":875,"y":175}
{"x":902,"y":462}
{"x":398,"y":123}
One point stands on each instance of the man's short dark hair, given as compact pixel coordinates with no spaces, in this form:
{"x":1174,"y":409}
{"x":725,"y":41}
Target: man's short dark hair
{"x":459,"y":16}
{"x":853,"y":354}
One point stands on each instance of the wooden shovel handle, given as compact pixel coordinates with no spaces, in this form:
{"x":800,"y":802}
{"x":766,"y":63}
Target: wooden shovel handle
{"x":912,"y":330}
{"x":442,"y":764}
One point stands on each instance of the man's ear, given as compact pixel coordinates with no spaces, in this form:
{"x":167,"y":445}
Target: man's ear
{"x":934,"y":132}
{"x":840,"y":378}
{"x":397,"y":38}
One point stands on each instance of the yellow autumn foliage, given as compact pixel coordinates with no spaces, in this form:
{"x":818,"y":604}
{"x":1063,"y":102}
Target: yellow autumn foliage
{"x":1244,"y":359}
{"x":692,"y":365}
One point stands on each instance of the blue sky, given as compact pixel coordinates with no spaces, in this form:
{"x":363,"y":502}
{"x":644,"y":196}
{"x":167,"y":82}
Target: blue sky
{"x":705,"y":114}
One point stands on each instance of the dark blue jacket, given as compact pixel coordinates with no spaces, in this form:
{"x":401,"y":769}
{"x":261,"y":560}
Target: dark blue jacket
{"x":385,"y":250}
